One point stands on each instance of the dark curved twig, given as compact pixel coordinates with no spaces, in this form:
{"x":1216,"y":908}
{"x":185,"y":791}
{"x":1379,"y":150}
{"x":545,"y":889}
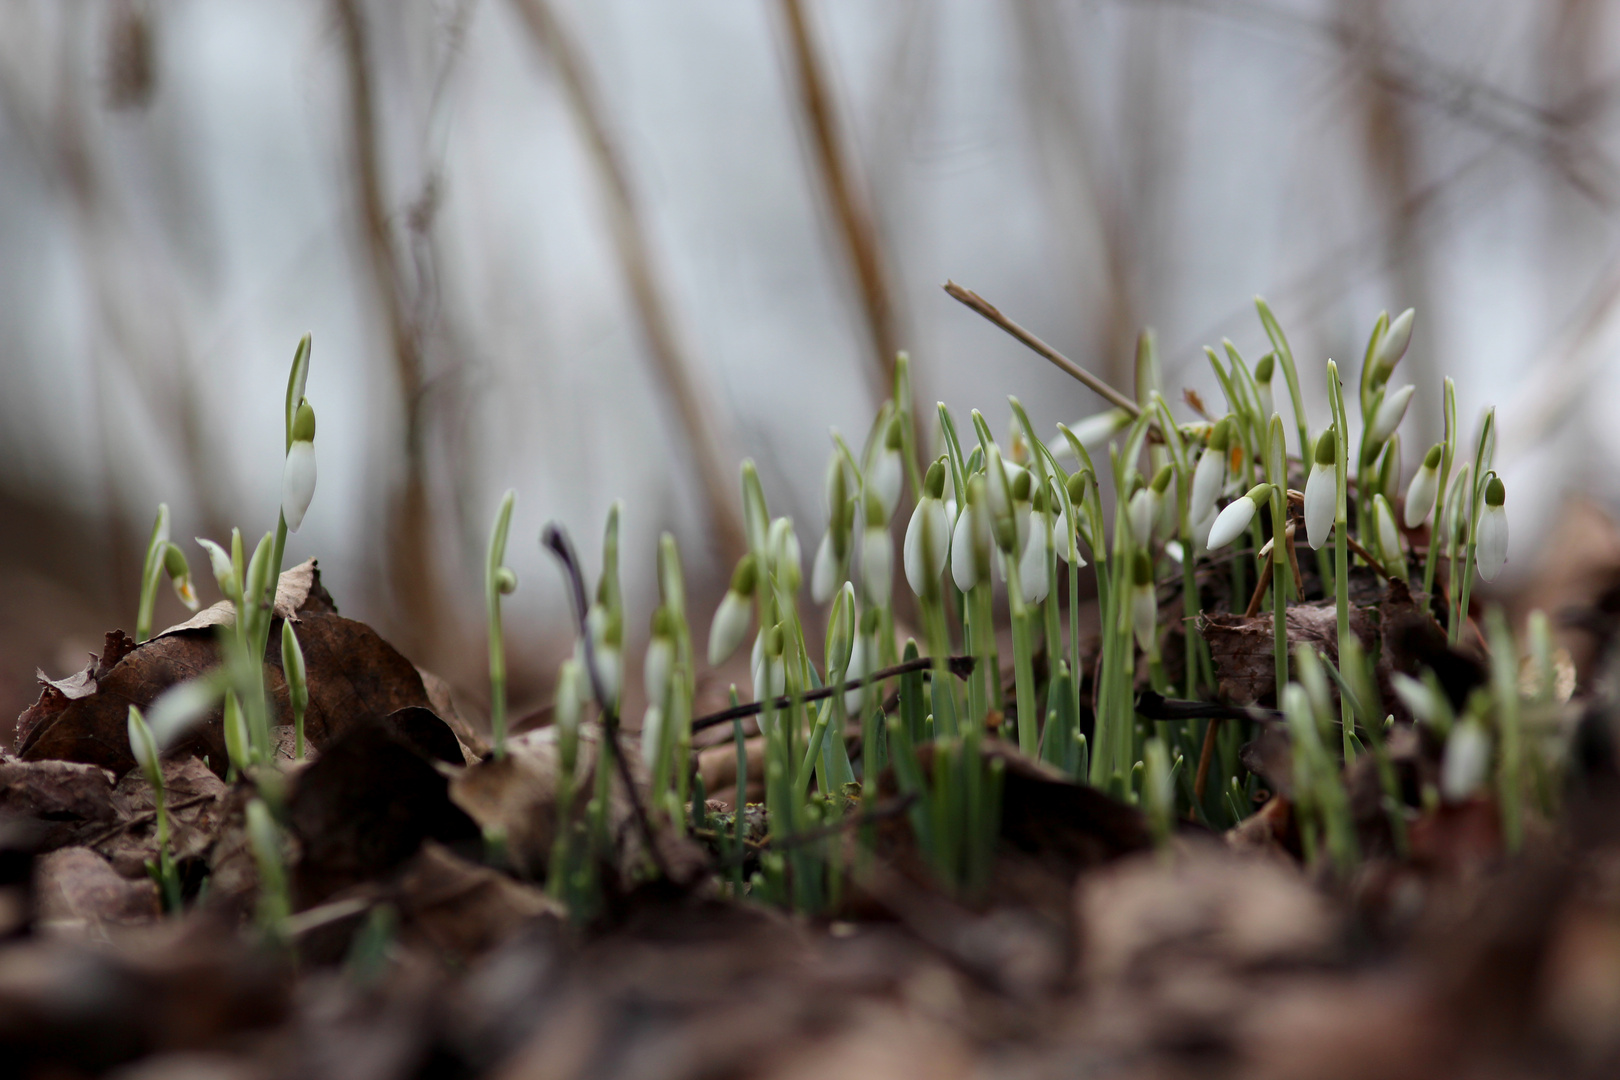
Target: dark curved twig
{"x":960,"y":666}
{"x":554,"y":538}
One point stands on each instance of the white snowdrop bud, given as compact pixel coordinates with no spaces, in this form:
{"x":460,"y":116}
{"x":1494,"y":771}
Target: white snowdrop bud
{"x":1264,"y":370}
{"x":298,"y":473}
{"x":660,"y":658}
{"x":1391,"y":411}
{"x":824,"y":572}
{"x":1231,"y":522}
{"x":144,"y":748}
{"x":1490,"y":548}
{"x":731,"y":619}
{"x":885,"y":473}
{"x":1425,"y":486}
{"x":970,"y":542}
{"x":927,"y":543}
{"x":1389,"y":537}
{"x":1210,"y":473}
{"x":1144,"y":605}
{"x":1033,"y":580}
{"x":1392,"y":346}
{"x":877,"y":560}
{"x":1322,"y":491}
{"x":1467,"y":761}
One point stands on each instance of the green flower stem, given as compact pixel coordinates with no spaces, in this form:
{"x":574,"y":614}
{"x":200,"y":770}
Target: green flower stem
{"x":1276,"y":468}
{"x":1341,"y":526}
{"x":1476,"y":506}
{"x":1023,"y":666}
{"x":1448,"y":451}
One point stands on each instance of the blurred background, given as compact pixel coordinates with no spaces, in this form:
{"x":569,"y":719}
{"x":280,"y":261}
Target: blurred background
{"x":599,"y":250}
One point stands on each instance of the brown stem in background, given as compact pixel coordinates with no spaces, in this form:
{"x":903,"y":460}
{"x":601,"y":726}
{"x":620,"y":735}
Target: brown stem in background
{"x":1205,"y":756}
{"x":849,"y":207}
{"x":674,"y":366}
{"x":411,"y":573}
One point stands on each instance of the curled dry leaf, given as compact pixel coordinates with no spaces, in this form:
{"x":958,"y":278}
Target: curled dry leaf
{"x":63,"y":801}
{"x":1244,"y":652}
{"x":75,"y":887}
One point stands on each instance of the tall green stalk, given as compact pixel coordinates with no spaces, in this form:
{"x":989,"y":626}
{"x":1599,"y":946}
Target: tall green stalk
{"x":1341,"y":527}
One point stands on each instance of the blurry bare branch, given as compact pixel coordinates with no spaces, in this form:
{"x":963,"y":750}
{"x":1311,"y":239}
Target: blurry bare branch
{"x":412,"y":573}
{"x":849,"y":206}
{"x":675,"y":367}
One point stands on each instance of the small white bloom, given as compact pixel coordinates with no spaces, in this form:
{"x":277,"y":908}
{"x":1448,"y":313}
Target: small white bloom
{"x":1231,"y":522}
{"x":1033,"y":580}
{"x":731,"y":618}
{"x":1425,"y":486}
{"x":1210,"y":473}
{"x":1144,"y":604}
{"x":652,"y":733}
{"x":1095,"y":430}
{"x":1391,"y":411}
{"x":1392,"y":346}
{"x":877,"y":565}
{"x":824,"y":573}
{"x":1490,"y":548}
{"x":927,"y":545}
{"x":1140,"y":513}
{"x":1389,"y":537}
{"x":1420,"y":699}
{"x":1467,"y":761}
{"x":297,"y":483}
{"x":143,"y":746}
{"x":657,"y":665}
{"x":1322,"y":491}
{"x":883,"y":479}
{"x":859,"y":666}
{"x":182,"y":705}
{"x":1264,"y":370}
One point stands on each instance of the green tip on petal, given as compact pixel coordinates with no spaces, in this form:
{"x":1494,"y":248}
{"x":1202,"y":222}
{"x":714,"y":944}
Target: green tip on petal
{"x":1265,"y":368}
{"x":1431,"y":460}
{"x":745,"y":577}
{"x":934,"y":482}
{"x":1020,"y":486}
{"x":663,"y":624}
{"x":1495,"y":493}
{"x":303,"y":429}
{"x":891,"y":438}
{"x":1327,"y":448}
{"x":774,"y":641}
{"x":1161,"y":480}
{"x":1259,"y":494}
{"x":1221,"y":437}
{"x":1077,"y":486}
{"x":1142,"y":569}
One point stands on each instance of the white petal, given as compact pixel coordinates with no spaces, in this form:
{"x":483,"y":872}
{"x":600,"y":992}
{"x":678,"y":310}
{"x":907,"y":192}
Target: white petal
{"x":1033,"y":580}
{"x":1389,"y":415}
{"x":656,"y":667}
{"x":857,"y":670}
{"x":1144,"y":615}
{"x":964,"y":561}
{"x":1389,"y":537}
{"x":609,"y":669}
{"x":297,"y":483}
{"x":1321,"y":500}
{"x":652,"y":732}
{"x":1141,"y":517}
{"x":1467,"y":761}
{"x":1206,"y":485}
{"x":883,"y":480}
{"x":727,"y":630}
{"x":877,"y":565}
{"x":1231,"y":522}
{"x":1490,"y":550}
{"x":824,"y":574}
{"x":1420,"y":496}
{"x":927,"y":545}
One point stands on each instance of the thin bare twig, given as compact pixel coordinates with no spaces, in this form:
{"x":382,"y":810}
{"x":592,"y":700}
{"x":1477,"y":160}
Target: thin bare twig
{"x":985,"y":308}
{"x":960,"y":666}
{"x":849,"y":206}
{"x":675,"y":368}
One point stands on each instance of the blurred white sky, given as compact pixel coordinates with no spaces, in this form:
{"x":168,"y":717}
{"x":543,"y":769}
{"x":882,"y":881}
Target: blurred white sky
{"x":1072,"y":160}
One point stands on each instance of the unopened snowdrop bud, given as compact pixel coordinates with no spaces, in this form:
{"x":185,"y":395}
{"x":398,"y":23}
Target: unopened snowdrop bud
{"x":877,"y":560}
{"x":293,"y":669}
{"x":1231,"y":522}
{"x":179,"y":571}
{"x":1063,"y":535}
{"x":970,"y":543}
{"x":224,"y":570}
{"x":1391,"y":411}
{"x":1490,"y":550}
{"x":1322,"y":490}
{"x":606,"y":629}
{"x":652,"y":732}
{"x":1139,"y":514}
{"x":1467,"y":761}
{"x":770,"y":674}
{"x":1022,"y":486}
{"x":144,"y":748}
{"x":570,"y":703}
{"x":824,"y":571}
{"x":999,"y":499}
{"x":786,"y":559}
{"x":1389,"y":537}
{"x":1144,"y":605}
{"x":1263,"y":372}
{"x":1210,"y":474}
{"x":660,"y":658}
{"x":861,"y":657}
{"x":1392,"y":346}
{"x":1160,"y":488}
{"x":731,"y":618}
{"x":1033,"y":580}
{"x":236,"y":737}
{"x":1425,"y":486}
{"x":884,"y":475}
{"x":928,"y":535}
{"x":298,"y":473}
{"x":840,"y":631}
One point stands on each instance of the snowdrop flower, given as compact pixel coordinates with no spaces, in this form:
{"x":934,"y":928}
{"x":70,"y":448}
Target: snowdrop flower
{"x":652,"y":733}
{"x":884,"y":474}
{"x":831,"y":566}
{"x":825,"y":572}
{"x":1093,"y":431}
{"x":1210,"y":473}
{"x":999,"y":498}
{"x":1062,"y":530}
{"x":770,"y":673}
{"x":732,"y":616}
{"x":224,"y":568}
{"x":970,"y":543}
{"x":787,"y":562}
{"x":1425,"y":486}
{"x":660,"y":659}
{"x":607,"y":641}
{"x":179,"y":571}
{"x":144,"y":748}
{"x":1033,"y":580}
{"x":928,"y":535}
{"x":1322,"y":491}
{"x":1263,"y":372}
{"x":877,"y":560}
{"x":1391,"y":347}
{"x":1389,"y":537}
{"x":860,"y":666}
{"x":1391,"y":411}
{"x":1490,"y":547}
{"x":840,"y":631}
{"x":1236,"y":517}
{"x":298,"y":474}
{"x":1467,"y":761}
{"x":1144,"y":605}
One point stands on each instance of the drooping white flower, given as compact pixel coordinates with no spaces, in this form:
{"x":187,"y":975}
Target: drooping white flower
{"x":1210,"y":473}
{"x":569,"y":704}
{"x":928,"y":535}
{"x":1144,"y":604}
{"x":223,"y":566}
{"x":1424,"y":487}
{"x":1034,"y":581}
{"x":787,"y":561}
{"x":1490,"y":548}
{"x":660,"y":658}
{"x":1231,"y":522}
{"x":1139,"y":513}
{"x":970,"y":541}
{"x":770,"y":672}
{"x":883,"y":476}
{"x":1392,"y":346}
{"x":1264,"y":370}
{"x":731,"y":618}
{"x":1389,"y":537}
{"x":652,"y":733}
{"x":1322,"y":490}
{"x":606,"y":630}
{"x":859,"y":667}
{"x":298,"y":472}
{"x":1467,"y":761}
{"x":1093,"y":431}
{"x":1391,"y":411}
{"x":825,"y":574}
{"x":877,"y":559}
